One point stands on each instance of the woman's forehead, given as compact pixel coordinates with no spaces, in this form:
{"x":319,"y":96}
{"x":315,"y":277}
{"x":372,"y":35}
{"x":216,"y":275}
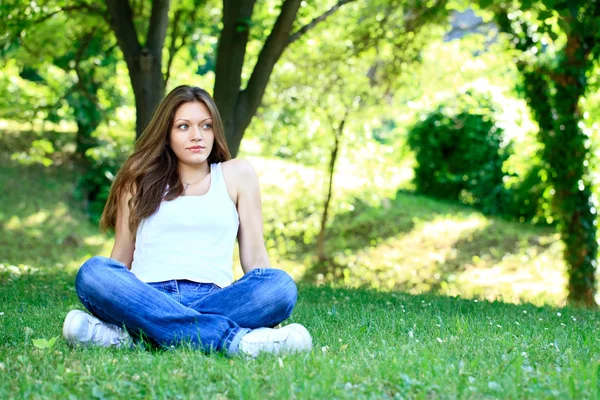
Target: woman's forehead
{"x":193,"y":111}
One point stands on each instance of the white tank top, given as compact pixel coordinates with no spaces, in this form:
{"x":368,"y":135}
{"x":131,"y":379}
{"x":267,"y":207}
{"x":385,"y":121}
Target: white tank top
{"x":190,"y":237}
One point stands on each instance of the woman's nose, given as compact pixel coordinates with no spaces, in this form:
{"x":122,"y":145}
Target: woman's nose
{"x":196,"y":134}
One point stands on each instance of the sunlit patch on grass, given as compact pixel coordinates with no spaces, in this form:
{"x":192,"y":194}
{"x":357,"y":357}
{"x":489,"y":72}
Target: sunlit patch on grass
{"x":529,"y":276}
{"x":467,"y":256}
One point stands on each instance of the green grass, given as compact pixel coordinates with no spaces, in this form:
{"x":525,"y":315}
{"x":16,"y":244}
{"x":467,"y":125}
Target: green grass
{"x":399,"y":312}
{"x":367,"y":344}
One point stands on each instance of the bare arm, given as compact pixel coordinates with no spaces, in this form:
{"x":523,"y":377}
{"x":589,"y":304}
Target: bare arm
{"x":124,"y":244}
{"x":253,"y":253}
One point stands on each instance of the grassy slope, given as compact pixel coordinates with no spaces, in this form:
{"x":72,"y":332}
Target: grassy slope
{"x":367,"y":343}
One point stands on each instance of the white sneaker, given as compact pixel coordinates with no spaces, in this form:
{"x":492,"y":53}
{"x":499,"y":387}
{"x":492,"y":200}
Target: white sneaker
{"x":289,"y":339}
{"x":81,"y":328}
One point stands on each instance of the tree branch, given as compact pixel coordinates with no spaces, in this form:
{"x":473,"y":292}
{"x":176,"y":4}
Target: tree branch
{"x":80,"y":76}
{"x":278,"y":39}
{"x":67,"y":9}
{"x":173,"y":48}
{"x":157,"y":30}
{"x":316,"y":20}
{"x":122,"y":23}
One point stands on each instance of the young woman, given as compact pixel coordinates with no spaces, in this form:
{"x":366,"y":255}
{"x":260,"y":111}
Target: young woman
{"x":177,"y":206}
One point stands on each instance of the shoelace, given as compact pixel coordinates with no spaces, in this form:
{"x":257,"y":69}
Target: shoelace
{"x":102,"y":333}
{"x":267,"y":343}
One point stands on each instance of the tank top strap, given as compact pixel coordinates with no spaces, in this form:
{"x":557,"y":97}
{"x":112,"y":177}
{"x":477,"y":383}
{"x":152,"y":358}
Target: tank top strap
{"x":218,"y":182}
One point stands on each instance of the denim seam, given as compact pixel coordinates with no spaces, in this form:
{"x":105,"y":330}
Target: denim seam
{"x":178,"y":292}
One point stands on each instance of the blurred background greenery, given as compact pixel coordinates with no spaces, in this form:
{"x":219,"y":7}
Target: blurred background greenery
{"x":427,"y":146}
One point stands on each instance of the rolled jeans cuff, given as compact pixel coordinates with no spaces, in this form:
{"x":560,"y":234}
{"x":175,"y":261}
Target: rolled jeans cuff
{"x":232,"y":342}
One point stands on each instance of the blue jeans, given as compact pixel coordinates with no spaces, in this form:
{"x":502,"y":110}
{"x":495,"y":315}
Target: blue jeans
{"x":179,"y":311}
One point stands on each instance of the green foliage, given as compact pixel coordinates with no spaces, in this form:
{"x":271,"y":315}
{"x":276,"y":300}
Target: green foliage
{"x":530,"y":198}
{"x":460,"y":152}
{"x":93,"y":186}
{"x":557,"y":44}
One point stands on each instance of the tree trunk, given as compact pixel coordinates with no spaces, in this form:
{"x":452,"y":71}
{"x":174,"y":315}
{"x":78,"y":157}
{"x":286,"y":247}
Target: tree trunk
{"x":573,"y":191}
{"x":144,"y":62}
{"x":565,"y":153}
{"x":236,"y":106}
{"x":231,"y":51}
{"x":148,"y":87}
{"x":321,"y":256}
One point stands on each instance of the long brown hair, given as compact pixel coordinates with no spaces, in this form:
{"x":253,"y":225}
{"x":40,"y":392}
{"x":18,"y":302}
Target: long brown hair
{"x":153,"y":164}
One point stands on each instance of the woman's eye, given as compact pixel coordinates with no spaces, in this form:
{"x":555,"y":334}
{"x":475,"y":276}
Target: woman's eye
{"x":207,"y":126}
{"x":183,"y":126}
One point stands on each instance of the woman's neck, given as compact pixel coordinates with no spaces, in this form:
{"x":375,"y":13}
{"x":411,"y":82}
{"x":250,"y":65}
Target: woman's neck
{"x":192,"y":173}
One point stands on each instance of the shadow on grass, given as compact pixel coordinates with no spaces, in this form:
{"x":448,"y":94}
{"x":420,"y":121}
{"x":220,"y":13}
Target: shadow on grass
{"x":367,"y":226}
{"x":492,"y":244}
{"x":40,"y":220}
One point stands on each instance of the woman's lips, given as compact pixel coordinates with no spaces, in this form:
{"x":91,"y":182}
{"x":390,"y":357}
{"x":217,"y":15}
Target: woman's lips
{"x":196,"y":149}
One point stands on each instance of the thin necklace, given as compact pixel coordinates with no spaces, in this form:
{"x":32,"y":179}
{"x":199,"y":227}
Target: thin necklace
{"x":187,"y":185}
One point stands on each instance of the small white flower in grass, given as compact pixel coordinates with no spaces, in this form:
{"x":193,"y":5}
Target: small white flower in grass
{"x":561,"y":324}
{"x":136,"y":377}
{"x":540,"y":319}
{"x":438,"y":325}
{"x":499,"y":326}
{"x":493,"y":385}
{"x":2,"y":366}
{"x":471,"y":379}
{"x":573,"y":318}
{"x":558,"y":314}
{"x":517,"y":322}
{"x":440,"y":340}
{"x":1,"y":313}
{"x":524,"y":354}
{"x":475,"y":301}
{"x":524,"y":311}
{"x":411,"y":334}
{"x":324,"y":349}
{"x":280,"y":362}
{"x":348,"y":386}
{"x":340,"y":340}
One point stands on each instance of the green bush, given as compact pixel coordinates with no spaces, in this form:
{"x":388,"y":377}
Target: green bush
{"x":460,"y":151}
{"x":530,"y":198}
{"x":102,"y":164}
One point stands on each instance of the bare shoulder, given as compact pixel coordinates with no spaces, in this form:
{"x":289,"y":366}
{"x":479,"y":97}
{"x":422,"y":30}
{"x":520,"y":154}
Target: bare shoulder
{"x":240,"y":177}
{"x":238,"y":169}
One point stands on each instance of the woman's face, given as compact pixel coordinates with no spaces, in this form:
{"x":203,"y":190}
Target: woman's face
{"x":192,"y":134}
